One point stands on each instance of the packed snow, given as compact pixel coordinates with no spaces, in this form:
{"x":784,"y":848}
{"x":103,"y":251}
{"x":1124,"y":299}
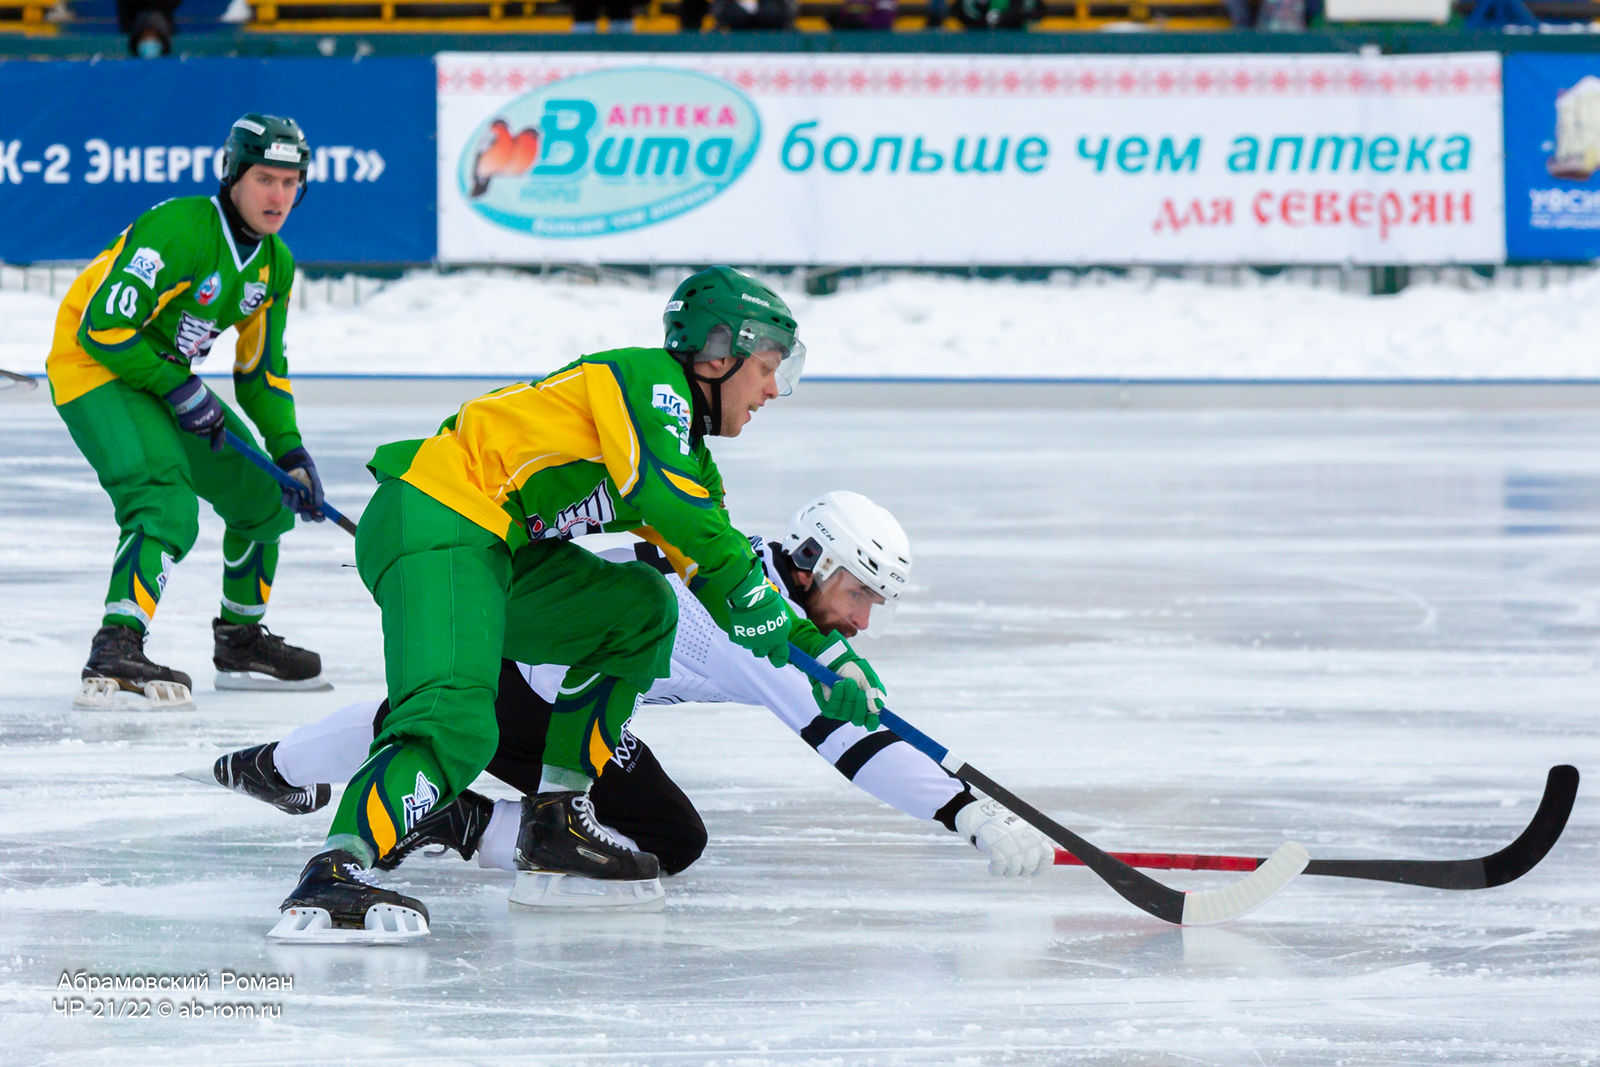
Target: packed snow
{"x":914,"y":326}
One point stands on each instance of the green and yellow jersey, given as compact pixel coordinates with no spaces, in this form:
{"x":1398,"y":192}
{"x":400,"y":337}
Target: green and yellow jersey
{"x":147,"y":309}
{"x":601,"y":446}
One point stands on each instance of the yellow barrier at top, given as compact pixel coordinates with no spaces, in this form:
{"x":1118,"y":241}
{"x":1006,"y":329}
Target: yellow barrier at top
{"x":554,"y":16}
{"x":654,"y":16}
{"x":26,"y":16}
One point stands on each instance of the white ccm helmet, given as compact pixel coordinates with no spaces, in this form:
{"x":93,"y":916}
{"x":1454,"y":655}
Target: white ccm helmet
{"x":845,"y":529}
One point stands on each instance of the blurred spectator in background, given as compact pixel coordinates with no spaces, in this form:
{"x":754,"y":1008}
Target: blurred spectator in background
{"x":754,"y":14}
{"x":586,"y":13}
{"x":996,"y":14}
{"x":1281,"y":16}
{"x":1241,"y":13}
{"x":149,"y":24}
{"x":863,"y":14}
{"x":692,"y":15}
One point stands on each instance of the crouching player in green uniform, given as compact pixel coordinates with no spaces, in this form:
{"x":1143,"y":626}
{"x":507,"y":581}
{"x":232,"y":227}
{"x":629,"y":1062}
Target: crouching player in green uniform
{"x":129,"y":334}
{"x":466,"y":547}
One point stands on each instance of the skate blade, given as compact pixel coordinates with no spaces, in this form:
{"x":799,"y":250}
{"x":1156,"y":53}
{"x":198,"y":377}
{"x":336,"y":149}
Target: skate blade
{"x":546,"y":889}
{"x":203,"y":775}
{"x":257,"y":682}
{"x":101,"y":694}
{"x":386,"y":924}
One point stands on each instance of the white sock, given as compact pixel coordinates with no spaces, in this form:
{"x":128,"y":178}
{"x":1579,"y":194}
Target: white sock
{"x":328,"y":750}
{"x":497,"y":847}
{"x":562,"y":780}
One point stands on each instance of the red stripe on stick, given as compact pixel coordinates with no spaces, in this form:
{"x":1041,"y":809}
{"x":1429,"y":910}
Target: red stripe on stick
{"x":1170,"y":861}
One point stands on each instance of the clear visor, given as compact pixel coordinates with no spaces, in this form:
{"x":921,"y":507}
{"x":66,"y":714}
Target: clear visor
{"x":844,"y":603}
{"x":756,"y":337}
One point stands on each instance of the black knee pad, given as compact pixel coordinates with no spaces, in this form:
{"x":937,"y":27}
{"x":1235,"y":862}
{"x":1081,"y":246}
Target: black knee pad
{"x":635,"y":796}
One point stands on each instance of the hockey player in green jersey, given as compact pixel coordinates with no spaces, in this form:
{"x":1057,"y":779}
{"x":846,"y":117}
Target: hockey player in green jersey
{"x":130,"y":332}
{"x":466,"y":547}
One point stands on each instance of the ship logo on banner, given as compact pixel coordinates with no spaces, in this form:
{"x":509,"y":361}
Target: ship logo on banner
{"x":608,"y":151}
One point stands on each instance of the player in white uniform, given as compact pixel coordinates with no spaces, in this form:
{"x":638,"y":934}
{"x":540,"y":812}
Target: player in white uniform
{"x":843,"y":562}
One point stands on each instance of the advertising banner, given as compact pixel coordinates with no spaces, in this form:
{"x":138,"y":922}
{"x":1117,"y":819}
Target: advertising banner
{"x":896,"y":159}
{"x":1552,"y":156}
{"x":86,"y":147}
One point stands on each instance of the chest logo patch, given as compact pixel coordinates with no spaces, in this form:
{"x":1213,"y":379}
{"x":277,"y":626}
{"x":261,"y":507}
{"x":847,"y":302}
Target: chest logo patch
{"x":145,"y":265}
{"x":255,"y":294}
{"x":666,"y":398}
{"x":208,"y":290}
{"x":194,"y":337}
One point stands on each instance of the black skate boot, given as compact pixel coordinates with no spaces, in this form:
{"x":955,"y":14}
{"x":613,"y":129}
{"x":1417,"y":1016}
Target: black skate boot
{"x":566,"y":859}
{"x":337,"y":902}
{"x":249,"y":656}
{"x":457,"y":825}
{"x":117,"y":663}
{"x":252,"y":772}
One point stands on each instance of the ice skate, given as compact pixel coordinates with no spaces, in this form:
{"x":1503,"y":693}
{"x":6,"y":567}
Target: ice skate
{"x":117,"y":664}
{"x":338,"y":903}
{"x":249,"y":656}
{"x":457,"y":825}
{"x":566,"y":859}
{"x":251,"y":771}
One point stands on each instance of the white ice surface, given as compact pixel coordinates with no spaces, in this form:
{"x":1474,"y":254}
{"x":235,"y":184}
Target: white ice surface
{"x":517,"y":326}
{"x":1206,"y":630}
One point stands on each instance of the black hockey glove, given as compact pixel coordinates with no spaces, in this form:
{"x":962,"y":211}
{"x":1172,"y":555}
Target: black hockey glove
{"x":198,"y":411}
{"x":306,"y":503}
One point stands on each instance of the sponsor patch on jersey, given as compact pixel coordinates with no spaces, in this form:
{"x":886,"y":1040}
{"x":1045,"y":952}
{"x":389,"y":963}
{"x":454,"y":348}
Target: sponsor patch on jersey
{"x":666,"y":398}
{"x":587,"y":516}
{"x":255,"y":294}
{"x":208,"y":289}
{"x":145,"y":265}
{"x":194,"y":337}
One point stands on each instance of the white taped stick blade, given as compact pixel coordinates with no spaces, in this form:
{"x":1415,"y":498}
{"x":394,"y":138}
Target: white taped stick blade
{"x":102,"y":694}
{"x":386,"y":924}
{"x":256,"y":682}
{"x":546,"y":889}
{"x":1250,"y":892}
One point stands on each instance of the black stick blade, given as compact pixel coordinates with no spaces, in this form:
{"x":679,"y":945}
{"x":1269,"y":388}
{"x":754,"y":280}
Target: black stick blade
{"x":1482,"y":872}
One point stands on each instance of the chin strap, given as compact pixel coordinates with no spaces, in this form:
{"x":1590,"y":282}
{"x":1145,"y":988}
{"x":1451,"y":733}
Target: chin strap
{"x":709,"y":414}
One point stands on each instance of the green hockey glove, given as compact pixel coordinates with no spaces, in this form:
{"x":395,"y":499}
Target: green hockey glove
{"x":859,"y":695}
{"x":759,"y":617}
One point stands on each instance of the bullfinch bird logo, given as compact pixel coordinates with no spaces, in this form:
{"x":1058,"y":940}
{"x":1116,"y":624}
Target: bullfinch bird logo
{"x":503,"y":155}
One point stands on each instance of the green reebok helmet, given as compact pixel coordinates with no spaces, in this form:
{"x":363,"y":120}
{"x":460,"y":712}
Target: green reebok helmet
{"x":277,"y":142}
{"x":721,"y":312}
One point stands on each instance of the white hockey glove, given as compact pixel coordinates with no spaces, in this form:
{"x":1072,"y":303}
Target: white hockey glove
{"x":1013,"y":847}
